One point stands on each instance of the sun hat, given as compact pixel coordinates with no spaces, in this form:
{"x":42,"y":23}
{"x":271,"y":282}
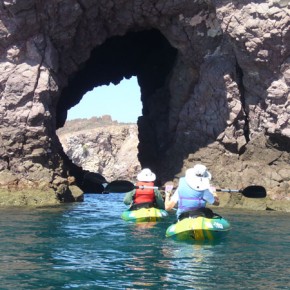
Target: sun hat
{"x":198,"y":177}
{"x":201,"y":171}
{"x":146,"y":175}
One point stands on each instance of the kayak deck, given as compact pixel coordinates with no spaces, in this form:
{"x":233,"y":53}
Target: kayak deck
{"x":199,"y":229}
{"x":151,"y":214}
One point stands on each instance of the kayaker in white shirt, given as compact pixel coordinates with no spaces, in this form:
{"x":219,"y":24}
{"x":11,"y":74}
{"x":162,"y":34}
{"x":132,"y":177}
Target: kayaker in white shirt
{"x":193,"y":191}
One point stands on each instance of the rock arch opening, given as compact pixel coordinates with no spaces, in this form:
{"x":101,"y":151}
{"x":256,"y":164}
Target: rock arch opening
{"x":227,"y":91}
{"x":122,"y":102}
{"x":101,"y":135}
{"x":146,"y":55}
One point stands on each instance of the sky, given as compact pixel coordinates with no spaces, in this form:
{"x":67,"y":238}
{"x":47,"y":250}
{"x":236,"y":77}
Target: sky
{"x":122,"y":102}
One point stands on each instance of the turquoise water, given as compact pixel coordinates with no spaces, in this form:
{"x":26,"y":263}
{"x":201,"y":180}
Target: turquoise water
{"x":88,"y":246}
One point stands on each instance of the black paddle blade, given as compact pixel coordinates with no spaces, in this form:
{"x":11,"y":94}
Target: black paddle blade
{"x":254,"y":191}
{"x":93,"y":182}
{"x":119,"y":186}
{"x":95,"y":177}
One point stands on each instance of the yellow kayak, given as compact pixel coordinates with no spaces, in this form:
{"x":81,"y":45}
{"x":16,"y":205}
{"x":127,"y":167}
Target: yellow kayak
{"x":151,"y":214}
{"x":199,"y":229}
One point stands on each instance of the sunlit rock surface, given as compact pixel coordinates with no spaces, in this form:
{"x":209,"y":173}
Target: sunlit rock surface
{"x":109,"y":149}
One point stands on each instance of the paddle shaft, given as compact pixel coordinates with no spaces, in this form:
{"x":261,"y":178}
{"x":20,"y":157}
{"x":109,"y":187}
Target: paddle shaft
{"x":146,"y":187}
{"x":156,"y":187}
{"x":252,"y":191}
{"x":227,"y":190}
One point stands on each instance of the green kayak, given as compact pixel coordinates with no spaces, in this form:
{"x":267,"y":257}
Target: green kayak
{"x":199,"y":228}
{"x":151,"y":214}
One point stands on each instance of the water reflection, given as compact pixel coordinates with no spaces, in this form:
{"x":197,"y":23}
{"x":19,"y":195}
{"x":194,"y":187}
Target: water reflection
{"x":26,"y":236}
{"x":188,"y":264}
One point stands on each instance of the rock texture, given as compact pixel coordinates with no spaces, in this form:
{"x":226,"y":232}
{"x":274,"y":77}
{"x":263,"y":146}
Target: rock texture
{"x":214,"y":78}
{"x":107,"y":148}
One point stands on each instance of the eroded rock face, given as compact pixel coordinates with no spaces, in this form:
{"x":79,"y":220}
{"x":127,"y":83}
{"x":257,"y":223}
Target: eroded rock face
{"x":214,"y":78}
{"x":110,"y":150}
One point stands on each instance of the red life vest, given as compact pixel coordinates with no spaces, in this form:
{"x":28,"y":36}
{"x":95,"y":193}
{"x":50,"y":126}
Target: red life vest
{"x":145,"y":194}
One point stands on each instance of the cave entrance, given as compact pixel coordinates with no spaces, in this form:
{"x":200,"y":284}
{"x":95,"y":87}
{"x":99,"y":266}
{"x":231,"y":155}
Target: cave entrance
{"x":144,"y":54}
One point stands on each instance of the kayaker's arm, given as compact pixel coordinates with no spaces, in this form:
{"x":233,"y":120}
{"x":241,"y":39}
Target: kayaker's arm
{"x":170,"y":202}
{"x":216,"y":198}
{"x":159,"y":200}
{"x":129,"y":197}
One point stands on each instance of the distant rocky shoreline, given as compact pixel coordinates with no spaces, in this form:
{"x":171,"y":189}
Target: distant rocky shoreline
{"x":102,"y":146}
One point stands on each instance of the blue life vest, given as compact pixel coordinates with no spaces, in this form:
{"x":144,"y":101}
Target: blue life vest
{"x":188,"y":198}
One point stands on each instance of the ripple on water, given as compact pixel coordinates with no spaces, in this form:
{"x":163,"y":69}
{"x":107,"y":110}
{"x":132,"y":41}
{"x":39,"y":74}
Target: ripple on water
{"x":88,"y":246}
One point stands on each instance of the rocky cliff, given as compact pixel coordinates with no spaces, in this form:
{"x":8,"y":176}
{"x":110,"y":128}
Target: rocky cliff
{"x":107,"y":148}
{"x":214,"y":79}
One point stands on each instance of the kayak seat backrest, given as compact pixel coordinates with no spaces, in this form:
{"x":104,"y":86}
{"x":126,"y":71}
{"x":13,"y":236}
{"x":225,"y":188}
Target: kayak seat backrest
{"x":136,"y":206}
{"x":203,"y":212}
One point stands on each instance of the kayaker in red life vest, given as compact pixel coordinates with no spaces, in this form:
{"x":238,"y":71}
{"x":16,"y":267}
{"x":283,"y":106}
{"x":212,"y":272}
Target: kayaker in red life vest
{"x":193,"y":191}
{"x":144,"y":197}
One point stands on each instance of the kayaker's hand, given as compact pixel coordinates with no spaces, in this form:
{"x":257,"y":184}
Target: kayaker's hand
{"x":168,"y":190}
{"x":216,"y":200}
{"x":167,"y":194}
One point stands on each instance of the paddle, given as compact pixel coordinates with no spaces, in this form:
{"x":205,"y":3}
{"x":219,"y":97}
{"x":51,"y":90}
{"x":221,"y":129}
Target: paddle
{"x":121,"y":186}
{"x":93,"y":182}
{"x":252,"y":191}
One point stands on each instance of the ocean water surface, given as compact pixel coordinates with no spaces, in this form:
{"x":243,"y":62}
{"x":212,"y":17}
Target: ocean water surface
{"x":88,"y":246}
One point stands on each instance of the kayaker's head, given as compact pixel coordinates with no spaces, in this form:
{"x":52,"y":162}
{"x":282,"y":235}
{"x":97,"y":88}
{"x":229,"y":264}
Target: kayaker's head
{"x":200,"y":170}
{"x":146,"y":175}
{"x":198,"y":177}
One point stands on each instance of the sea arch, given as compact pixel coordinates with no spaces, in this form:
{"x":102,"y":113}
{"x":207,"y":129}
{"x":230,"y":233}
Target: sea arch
{"x":58,"y":50}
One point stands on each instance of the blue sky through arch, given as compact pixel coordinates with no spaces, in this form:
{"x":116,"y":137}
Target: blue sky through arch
{"x":122,"y":102}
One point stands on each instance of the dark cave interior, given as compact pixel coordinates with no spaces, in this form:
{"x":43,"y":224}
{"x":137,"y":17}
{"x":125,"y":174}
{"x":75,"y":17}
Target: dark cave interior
{"x":146,"y":55}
